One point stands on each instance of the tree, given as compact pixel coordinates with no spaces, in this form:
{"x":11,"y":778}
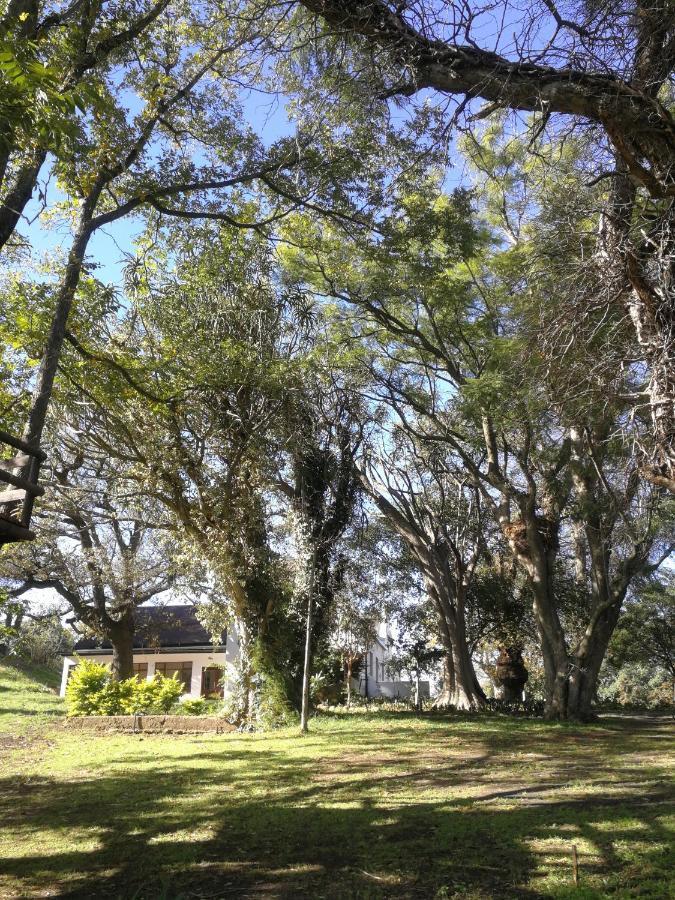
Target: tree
{"x":43,"y":639}
{"x":186,"y":389}
{"x":97,"y":551}
{"x":646,"y":631}
{"x":322,"y":445}
{"x":54,"y":66}
{"x":355,"y":620}
{"x":441,"y":315}
{"x":121,"y":164}
{"x":611,"y":72}
{"x":413,"y":649}
{"x":438,"y":515}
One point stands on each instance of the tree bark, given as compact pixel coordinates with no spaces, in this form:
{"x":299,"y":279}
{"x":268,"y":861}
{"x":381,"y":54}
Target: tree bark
{"x":348,"y":670}
{"x":444,"y":698}
{"x":510,"y":674}
{"x":19,"y":193}
{"x":638,"y":125}
{"x":64,"y":302}
{"x":463,"y":691}
{"x":121,"y":633}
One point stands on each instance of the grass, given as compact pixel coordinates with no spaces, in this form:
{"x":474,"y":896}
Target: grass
{"x":367,"y":806}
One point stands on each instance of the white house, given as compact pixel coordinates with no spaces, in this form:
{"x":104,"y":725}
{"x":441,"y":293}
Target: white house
{"x":376,"y":678}
{"x":170,"y":639}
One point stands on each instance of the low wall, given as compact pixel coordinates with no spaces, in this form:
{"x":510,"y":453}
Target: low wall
{"x":401,"y":690}
{"x":151,"y":724}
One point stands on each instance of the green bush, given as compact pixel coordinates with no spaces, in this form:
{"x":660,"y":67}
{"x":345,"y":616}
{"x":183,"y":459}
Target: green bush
{"x":87,"y":684}
{"x":196,"y":707}
{"x":91,"y":692}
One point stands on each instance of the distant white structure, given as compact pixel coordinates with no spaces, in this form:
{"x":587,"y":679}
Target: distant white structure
{"x":376,"y":678}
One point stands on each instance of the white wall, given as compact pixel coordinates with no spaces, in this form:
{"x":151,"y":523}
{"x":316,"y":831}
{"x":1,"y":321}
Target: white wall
{"x":380,"y":683}
{"x":402,"y":689}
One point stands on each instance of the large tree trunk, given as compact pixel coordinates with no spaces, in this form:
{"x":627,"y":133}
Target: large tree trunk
{"x":464,"y":692}
{"x":260,"y":601}
{"x":468,"y":693}
{"x":447,"y":692}
{"x":571,"y":680}
{"x":121,"y":635}
{"x":585,"y":668}
{"x":534,"y":543}
{"x":348,"y":670}
{"x":244,"y":695}
{"x":510,"y":674}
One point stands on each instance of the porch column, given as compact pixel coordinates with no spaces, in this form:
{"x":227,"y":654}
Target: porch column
{"x":196,"y":682}
{"x":67,"y":663}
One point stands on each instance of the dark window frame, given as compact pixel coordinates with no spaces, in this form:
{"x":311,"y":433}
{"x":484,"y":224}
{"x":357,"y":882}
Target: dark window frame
{"x":184,"y":669}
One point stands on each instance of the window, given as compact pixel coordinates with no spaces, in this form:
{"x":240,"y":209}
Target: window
{"x":377,"y":670}
{"x":370,"y":666}
{"x":183,"y":670}
{"x":141,"y":669}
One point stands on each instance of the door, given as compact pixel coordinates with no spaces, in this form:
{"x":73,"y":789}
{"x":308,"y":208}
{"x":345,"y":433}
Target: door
{"x":212,"y":682}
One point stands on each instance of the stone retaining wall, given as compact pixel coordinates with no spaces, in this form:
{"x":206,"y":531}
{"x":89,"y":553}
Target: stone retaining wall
{"x":150,"y":724}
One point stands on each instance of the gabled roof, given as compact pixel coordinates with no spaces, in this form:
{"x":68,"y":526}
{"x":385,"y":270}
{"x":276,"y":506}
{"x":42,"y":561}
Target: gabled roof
{"x":160,"y":626}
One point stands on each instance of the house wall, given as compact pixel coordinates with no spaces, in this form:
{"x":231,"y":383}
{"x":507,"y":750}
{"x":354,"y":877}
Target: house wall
{"x":379,"y":682}
{"x":199,"y":659}
{"x":402,"y":690}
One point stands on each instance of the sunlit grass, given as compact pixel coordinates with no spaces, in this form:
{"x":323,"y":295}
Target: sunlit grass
{"x":388,"y":805}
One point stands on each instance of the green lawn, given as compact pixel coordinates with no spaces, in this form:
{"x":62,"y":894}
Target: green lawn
{"x":365,"y":806}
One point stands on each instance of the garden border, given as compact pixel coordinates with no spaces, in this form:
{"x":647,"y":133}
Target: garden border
{"x":151,"y":724}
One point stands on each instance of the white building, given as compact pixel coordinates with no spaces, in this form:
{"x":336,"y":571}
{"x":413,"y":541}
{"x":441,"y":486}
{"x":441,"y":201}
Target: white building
{"x":170,"y":639}
{"x":376,"y":678}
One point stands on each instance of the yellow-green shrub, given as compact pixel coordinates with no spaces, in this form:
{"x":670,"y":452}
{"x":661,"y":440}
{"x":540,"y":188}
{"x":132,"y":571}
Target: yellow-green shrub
{"x":91,"y":692}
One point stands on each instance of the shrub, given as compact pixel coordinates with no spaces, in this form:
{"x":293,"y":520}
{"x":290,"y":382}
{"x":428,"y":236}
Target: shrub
{"x":91,"y":692}
{"x":86,"y":686}
{"x":143,"y":697}
{"x":43,"y":642}
{"x":635,"y":685}
{"x":195,"y":707}
{"x":168,"y":693}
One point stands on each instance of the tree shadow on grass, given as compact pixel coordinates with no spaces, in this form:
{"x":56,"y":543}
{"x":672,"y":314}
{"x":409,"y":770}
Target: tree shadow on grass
{"x":228,"y":822}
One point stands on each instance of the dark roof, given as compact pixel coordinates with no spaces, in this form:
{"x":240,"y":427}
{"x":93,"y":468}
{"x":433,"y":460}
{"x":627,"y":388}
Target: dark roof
{"x":160,"y":626}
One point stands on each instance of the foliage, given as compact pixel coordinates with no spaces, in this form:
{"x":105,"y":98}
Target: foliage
{"x":646,"y":633}
{"x":414,"y":650}
{"x":636,"y":685}
{"x":92,"y":692}
{"x":87,"y":688}
{"x":196,"y":706}
{"x":43,"y":640}
{"x":640,"y":667}
{"x":272,"y":707}
{"x":32,"y":102}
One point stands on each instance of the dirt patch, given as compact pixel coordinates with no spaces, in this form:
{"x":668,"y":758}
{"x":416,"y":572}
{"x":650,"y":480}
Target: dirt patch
{"x":150,"y":724}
